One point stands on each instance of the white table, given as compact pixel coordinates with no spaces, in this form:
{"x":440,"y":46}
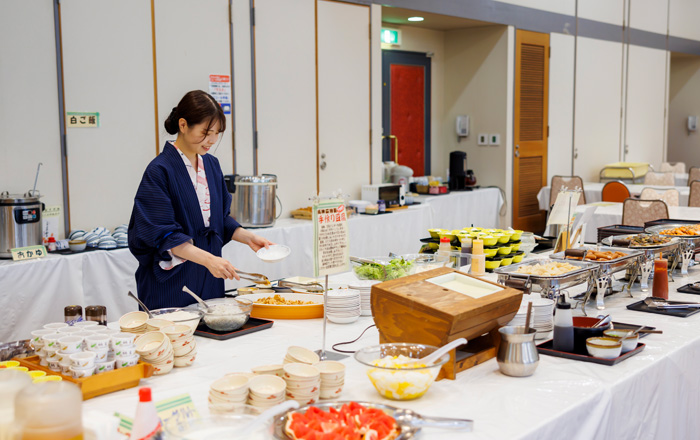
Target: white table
{"x":35,"y":292}
{"x":593,"y":192}
{"x":653,"y":395}
{"x":607,"y":214}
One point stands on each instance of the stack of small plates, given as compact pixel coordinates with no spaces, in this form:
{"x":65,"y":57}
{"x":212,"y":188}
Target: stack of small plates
{"x":542,"y":316}
{"x":365,"y":289}
{"x":343,"y":306}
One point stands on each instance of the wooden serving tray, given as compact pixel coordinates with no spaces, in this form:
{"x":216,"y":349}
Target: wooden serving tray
{"x":99,"y":384}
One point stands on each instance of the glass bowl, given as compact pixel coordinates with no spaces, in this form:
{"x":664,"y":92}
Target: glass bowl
{"x":400,"y":382}
{"x":193,"y":322}
{"x":226,"y":314}
{"x":224,"y":423}
{"x":396,"y":267}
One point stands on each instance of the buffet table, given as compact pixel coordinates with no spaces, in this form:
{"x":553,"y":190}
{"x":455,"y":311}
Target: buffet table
{"x":35,"y":291}
{"x":593,"y":192}
{"x":608,"y":213}
{"x":655,"y":394}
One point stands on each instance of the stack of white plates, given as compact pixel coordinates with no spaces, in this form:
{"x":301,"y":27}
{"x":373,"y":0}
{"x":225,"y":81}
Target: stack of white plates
{"x":542,"y":316}
{"x":343,"y":306}
{"x":365,"y":289}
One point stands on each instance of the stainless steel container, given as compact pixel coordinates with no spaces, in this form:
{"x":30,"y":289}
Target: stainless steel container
{"x":517,"y":354}
{"x":20,"y":222}
{"x":253,"y":204}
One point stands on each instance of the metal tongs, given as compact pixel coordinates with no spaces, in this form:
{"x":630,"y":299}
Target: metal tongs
{"x":257,"y":278}
{"x":366,"y":261}
{"x":660,"y":303}
{"x":311,"y":287}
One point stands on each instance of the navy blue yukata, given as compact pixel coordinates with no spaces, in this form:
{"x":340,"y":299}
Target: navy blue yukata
{"x":166,"y":214}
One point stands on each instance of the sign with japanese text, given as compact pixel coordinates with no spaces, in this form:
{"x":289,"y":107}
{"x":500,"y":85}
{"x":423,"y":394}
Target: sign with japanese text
{"x":50,"y":216}
{"x":171,"y":411}
{"x":82,"y":119}
{"x":220,"y":89}
{"x":28,"y":253}
{"x":331,"y":238}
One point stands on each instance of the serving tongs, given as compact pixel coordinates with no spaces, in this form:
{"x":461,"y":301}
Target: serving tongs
{"x":366,"y":261}
{"x":660,"y":303}
{"x":311,"y":287}
{"x":257,"y":278}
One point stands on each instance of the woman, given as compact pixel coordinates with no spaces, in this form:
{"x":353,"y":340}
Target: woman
{"x":180,"y":219}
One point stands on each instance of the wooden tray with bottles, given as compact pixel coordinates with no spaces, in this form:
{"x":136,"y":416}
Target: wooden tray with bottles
{"x":99,"y":384}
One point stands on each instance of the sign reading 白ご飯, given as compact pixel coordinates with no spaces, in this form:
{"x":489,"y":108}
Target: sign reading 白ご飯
{"x":331,"y":238}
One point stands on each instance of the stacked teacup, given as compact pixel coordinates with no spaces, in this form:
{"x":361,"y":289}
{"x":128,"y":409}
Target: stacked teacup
{"x":300,"y":355}
{"x":156,"y":349}
{"x":332,"y":378}
{"x":181,"y":337}
{"x":275,"y":369}
{"x":124,"y":349}
{"x":266,"y":390}
{"x":303,"y":383}
{"x":229,"y":391}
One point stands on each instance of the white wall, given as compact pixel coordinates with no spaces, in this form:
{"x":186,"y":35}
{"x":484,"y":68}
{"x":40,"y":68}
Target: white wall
{"x":29,"y":125}
{"x":376,"y":85}
{"x":607,"y":11}
{"x":683,"y":16}
{"x":567,"y":7}
{"x":561,"y":109}
{"x":242,"y":109}
{"x":684,"y":101}
{"x":649,"y":15}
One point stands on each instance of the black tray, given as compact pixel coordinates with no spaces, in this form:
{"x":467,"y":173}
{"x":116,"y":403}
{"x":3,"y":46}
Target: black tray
{"x":681,"y":313}
{"x":546,"y":348}
{"x":379,"y":213}
{"x":253,"y":325}
{"x":688,"y":289}
{"x":623,"y":326}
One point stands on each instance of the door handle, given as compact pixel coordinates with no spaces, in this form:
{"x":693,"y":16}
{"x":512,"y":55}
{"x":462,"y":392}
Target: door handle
{"x":322,"y":165}
{"x":517,"y":151}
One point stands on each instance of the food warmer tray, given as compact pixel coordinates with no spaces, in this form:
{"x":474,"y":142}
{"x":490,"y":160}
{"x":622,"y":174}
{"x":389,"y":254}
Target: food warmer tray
{"x":646,"y":262}
{"x":550,"y":285}
{"x":604,"y":270}
{"x":687,"y":246}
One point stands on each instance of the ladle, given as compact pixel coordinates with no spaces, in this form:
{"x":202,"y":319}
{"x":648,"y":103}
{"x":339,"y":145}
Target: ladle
{"x":437,"y":354}
{"x":195,"y":296}
{"x":143,"y":306}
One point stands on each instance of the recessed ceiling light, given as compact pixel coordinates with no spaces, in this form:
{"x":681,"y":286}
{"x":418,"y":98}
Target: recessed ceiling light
{"x":415,"y":19}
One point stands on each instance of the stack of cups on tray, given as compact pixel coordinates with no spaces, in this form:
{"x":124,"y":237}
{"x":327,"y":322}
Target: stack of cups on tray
{"x":134,"y":322}
{"x":156,"y":349}
{"x":228,"y":392}
{"x":266,"y":390}
{"x":184,"y":345}
{"x":303,"y":383}
{"x":332,"y":378}
{"x":124,"y":351}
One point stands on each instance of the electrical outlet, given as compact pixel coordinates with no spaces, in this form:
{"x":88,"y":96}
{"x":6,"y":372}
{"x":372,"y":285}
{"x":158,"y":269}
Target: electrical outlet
{"x":494,"y":139}
{"x":483,"y":139}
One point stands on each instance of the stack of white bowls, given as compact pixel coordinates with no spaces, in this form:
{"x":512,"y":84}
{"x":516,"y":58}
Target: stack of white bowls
{"x":155,"y":324}
{"x":101,"y":238}
{"x":181,"y":337}
{"x":542,"y":318}
{"x":365,"y":289}
{"x":156,"y":349}
{"x":134,"y":322}
{"x":343,"y":306}
{"x":229,"y":391}
{"x":275,"y":369}
{"x":332,"y":379}
{"x":121,"y":236}
{"x":266,"y":390}
{"x":303,"y":383}
{"x":300,"y":355}
{"x":124,"y":347}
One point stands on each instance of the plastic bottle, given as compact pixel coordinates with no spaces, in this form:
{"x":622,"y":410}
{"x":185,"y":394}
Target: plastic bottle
{"x":49,"y":411}
{"x":445,"y":247}
{"x":466,"y":249}
{"x":659,"y":288}
{"x":478,"y":258}
{"x":147,"y":424}
{"x":563,"y":327}
{"x":11,"y":383}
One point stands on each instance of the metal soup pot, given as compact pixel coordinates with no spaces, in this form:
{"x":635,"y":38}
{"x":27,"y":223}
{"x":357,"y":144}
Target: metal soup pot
{"x":20,"y":222}
{"x":253,"y":203}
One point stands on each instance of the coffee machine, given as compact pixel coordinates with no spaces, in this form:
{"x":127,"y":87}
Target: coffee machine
{"x":458,"y":170}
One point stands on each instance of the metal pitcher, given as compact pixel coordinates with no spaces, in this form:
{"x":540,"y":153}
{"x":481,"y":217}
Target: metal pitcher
{"x":517,"y":355}
{"x":253,"y":199}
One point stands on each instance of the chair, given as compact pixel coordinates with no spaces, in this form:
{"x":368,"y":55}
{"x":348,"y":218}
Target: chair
{"x":668,"y":167}
{"x":565,"y":182}
{"x":659,"y":179}
{"x":636,"y":212}
{"x":693,"y":174}
{"x":615,"y":191}
{"x":694,"y":198}
{"x":670,"y":196}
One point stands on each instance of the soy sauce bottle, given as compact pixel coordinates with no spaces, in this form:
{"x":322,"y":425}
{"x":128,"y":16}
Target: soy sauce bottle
{"x":563,"y":327}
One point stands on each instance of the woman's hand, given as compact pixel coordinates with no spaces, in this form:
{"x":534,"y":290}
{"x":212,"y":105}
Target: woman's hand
{"x":221,"y":268}
{"x":255,"y":242}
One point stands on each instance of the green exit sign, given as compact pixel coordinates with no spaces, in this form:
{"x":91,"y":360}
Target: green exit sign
{"x":391,"y":36}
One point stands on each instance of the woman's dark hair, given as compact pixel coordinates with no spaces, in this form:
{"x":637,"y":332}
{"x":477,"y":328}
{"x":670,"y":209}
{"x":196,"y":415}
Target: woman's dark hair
{"x":196,"y":107}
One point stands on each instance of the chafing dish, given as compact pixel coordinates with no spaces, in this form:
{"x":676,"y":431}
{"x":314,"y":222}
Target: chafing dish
{"x":687,"y":242}
{"x":602,"y":278}
{"x":550,"y":285}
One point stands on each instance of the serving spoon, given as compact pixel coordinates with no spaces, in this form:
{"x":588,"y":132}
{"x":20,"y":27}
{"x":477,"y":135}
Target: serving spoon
{"x":437,"y":354}
{"x":143,"y":306}
{"x":195,"y":296}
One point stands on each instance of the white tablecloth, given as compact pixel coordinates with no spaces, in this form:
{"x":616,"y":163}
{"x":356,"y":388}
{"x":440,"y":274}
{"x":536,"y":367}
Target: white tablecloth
{"x":653,"y":395}
{"x":607,"y":214}
{"x":593,"y":192}
{"x":35,"y":292}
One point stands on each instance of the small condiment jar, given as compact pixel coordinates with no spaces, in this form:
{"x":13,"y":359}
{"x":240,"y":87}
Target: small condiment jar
{"x":97,"y":314}
{"x":72,"y":314}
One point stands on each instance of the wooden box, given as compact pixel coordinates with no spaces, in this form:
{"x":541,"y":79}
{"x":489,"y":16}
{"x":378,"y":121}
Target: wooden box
{"x":99,"y":384}
{"x":416,"y":309}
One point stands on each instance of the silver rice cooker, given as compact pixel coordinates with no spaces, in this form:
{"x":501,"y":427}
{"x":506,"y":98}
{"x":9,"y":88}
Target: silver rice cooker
{"x":20,"y":222}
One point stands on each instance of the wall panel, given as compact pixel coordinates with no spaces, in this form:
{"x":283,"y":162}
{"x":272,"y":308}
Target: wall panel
{"x":242,"y":109}
{"x":607,"y":11}
{"x":649,"y":15}
{"x":561,"y":105}
{"x":567,"y":7}
{"x":683,"y":16}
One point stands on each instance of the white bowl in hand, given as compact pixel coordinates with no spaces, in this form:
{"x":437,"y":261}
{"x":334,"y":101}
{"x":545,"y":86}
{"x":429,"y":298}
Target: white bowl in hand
{"x":274,"y":253}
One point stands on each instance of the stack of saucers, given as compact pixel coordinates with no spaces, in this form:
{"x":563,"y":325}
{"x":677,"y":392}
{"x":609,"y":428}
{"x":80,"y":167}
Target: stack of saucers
{"x":121,"y":236}
{"x":541,"y":319}
{"x":184,"y":345}
{"x":266,"y":390}
{"x":156,"y":349}
{"x":134,"y":322}
{"x":365,"y":289}
{"x":332,"y":378}
{"x":343,"y":306}
{"x":300,"y":355}
{"x":229,"y":391}
{"x":303,"y":383}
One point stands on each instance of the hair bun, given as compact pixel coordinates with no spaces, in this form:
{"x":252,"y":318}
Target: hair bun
{"x":171,"y":123}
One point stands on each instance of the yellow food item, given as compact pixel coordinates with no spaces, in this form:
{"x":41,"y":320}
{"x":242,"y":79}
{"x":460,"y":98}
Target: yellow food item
{"x":547,"y":269}
{"x":277,"y":300}
{"x":404,"y":381}
{"x":683,"y":230}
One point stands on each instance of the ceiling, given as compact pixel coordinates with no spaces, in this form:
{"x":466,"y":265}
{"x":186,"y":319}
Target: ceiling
{"x":399,"y":16}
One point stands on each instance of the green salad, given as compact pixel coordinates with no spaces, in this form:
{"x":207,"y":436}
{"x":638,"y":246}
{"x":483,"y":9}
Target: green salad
{"x":396,"y":268}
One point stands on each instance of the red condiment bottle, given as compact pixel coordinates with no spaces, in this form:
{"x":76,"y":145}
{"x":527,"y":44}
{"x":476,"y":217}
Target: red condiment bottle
{"x":660,"y":287}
